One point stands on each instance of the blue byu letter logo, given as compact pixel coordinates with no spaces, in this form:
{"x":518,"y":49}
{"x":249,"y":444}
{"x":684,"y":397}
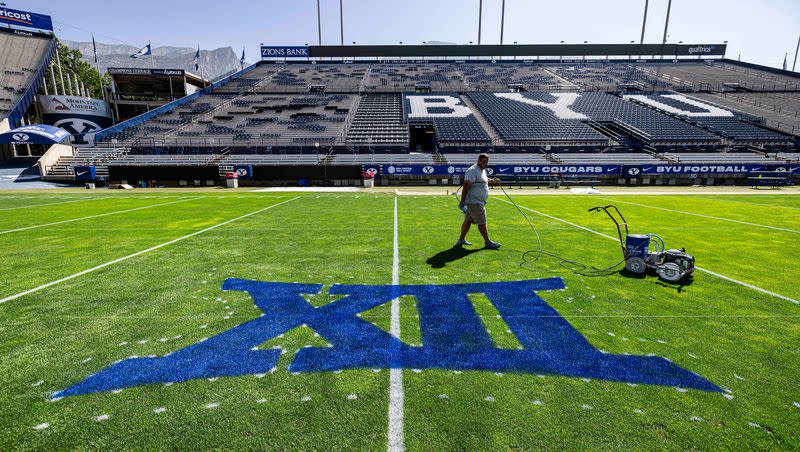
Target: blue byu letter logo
{"x":453,"y":337}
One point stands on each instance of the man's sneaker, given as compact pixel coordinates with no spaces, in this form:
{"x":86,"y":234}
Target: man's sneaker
{"x":462,"y":243}
{"x":492,"y":246}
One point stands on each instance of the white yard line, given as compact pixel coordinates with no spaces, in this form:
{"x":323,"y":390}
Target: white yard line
{"x":396,"y":394}
{"x":52,"y":203}
{"x":711,"y":217}
{"x":727,"y":278}
{"x":738,"y":201}
{"x":152,"y":248}
{"x":8,"y":231}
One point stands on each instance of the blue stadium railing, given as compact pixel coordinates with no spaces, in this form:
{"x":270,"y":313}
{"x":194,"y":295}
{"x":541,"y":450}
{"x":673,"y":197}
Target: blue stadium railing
{"x":17,"y":112}
{"x":144,"y":117}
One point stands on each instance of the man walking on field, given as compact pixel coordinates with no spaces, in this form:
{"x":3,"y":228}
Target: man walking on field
{"x":473,"y":202}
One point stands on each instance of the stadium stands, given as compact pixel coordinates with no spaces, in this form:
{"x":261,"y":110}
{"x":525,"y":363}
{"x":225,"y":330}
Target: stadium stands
{"x":379,"y":120}
{"x":20,"y":59}
{"x":735,"y":126}
{"x":340,"y":113}
{"x":710,"y":76}
{"x":454,"y":123}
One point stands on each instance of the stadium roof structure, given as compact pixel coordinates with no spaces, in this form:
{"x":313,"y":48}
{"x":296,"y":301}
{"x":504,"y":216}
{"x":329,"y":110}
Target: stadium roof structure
{"x":137,"y":90}
{"x":518,"y":50}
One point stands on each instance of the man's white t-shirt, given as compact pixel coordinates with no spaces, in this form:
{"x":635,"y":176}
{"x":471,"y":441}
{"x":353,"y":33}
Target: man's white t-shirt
{"x":479,"y":185}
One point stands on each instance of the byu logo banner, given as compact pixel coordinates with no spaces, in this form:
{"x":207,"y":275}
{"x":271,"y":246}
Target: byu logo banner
{"x":453,"y":337}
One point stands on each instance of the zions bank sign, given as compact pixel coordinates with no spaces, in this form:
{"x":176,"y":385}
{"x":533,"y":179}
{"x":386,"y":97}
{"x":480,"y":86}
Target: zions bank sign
{"x":284,"y":52}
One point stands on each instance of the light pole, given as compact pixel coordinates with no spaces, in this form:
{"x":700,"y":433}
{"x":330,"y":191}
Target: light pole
{"x":480,"y":12}
{"x":666,"y":24}
{"x":644,"y":20}
{"x":502,"y":20}
{"x":319,"y":25}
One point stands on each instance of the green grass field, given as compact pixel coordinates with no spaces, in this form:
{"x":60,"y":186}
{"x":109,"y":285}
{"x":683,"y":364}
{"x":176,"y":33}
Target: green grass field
{"x":92,"y":278}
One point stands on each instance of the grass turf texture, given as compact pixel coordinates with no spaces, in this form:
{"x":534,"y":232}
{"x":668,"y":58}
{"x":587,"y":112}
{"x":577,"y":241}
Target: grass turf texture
{"x":157,"y":302}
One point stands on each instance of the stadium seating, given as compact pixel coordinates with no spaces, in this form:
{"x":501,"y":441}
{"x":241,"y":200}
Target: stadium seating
{"x":736,"y":126}
{"x":20,"y":58}
{"x":437,"y":111}
{"x":597,"y":113}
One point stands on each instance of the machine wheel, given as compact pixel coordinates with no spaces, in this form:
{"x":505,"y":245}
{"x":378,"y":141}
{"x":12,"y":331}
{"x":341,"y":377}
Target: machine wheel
{"x":670,"y":272}
{"x":635,"y":265}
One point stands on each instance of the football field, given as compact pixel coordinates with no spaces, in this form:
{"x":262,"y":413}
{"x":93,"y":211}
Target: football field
{"x":262,"y":320}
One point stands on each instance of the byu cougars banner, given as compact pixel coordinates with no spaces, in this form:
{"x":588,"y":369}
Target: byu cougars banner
{"x":564,"y":170}
{"x":34,"y":134}
{"x":453,"y":337}
{"x":284,"y":52}
{"x":502,"y":170}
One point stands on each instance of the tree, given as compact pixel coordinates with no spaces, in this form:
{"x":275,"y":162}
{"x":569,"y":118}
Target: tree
{"x":72,"y":63}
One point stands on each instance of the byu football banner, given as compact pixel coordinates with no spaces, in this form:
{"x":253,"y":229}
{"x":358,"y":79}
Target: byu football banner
{"x":453,"y":337}
{"x":633,"y":171}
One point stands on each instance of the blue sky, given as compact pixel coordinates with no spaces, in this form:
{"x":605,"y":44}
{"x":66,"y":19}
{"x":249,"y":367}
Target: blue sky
{"x":762,"y":31}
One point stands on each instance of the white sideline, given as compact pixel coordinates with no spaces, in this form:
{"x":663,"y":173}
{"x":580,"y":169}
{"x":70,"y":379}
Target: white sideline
{"x":54,"y":203}
{"x":8,"y":231}
{"x":794,"y":231}
{"x":727,"y":278}
{"x":152,"y":248}
{"x":396,"y":394}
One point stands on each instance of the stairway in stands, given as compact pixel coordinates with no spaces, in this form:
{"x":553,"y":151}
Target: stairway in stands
{"x":490,"y":130}
{"x":63,"y":168}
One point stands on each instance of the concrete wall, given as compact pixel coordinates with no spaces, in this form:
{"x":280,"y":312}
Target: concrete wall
{"x":52,"y":155}
{"x":6,"y":151}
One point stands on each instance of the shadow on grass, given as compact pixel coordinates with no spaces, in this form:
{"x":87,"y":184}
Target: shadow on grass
{"x":442,"y":258}
{"x":677,"y":285}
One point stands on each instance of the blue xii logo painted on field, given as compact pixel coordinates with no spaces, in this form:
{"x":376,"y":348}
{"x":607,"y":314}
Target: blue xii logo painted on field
{"x":453,"y":337}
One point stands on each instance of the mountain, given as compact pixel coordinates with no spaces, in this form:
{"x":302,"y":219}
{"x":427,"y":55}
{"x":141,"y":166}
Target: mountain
{"x":213,"y":63}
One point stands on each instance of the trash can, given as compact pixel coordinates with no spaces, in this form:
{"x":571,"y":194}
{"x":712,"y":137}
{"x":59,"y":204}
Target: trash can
{"x":369,"y":179}
{"x":232,"y":179}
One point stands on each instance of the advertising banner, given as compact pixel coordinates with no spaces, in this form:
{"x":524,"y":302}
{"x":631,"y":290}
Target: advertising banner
{"x":34,"y":134}
{"x":18,"y":18}
{"x":633,"y":171}
{"x":85,"y":173}
{"x":144,"y":71}
{"x":77,"y":115}
{"x":284,"y":52}
{"x":502,"y":170}
{"x":243,"y":171}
